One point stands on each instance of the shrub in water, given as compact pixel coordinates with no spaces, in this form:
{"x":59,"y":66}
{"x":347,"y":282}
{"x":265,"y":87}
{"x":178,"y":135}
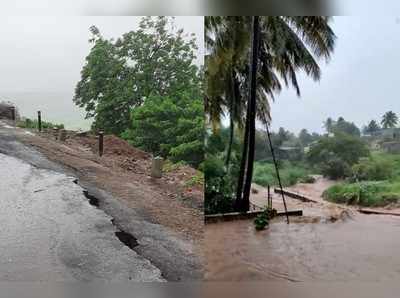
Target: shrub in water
{"x":261,"y":221}
{"x":371,"y":169}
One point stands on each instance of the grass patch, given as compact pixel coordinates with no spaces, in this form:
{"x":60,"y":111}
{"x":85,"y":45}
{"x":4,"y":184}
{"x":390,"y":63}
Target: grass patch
{"x":198,"y":179}
{"x":290,"y":173}
{"x":368,"y":193}
{"x":169,"y":166}
{"x":29,"y":123}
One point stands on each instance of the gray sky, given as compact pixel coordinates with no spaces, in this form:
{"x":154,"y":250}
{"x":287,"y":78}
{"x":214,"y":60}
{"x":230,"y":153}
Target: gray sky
{"x":360,"y":83}
{"x":46,"y":54}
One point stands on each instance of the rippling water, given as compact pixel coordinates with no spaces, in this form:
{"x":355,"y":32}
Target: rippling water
{"x":365,"y":248}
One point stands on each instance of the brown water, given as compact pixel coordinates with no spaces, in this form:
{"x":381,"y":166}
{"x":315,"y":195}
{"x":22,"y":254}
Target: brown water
{"x":365,"y":248}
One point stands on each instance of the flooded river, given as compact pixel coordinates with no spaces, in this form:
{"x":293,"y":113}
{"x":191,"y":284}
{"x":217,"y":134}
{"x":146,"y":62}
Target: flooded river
{"x":365,"y":248}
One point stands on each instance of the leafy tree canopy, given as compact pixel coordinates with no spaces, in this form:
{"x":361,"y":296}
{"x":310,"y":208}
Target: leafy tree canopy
{"x":172,"y":127}
{"x":389,"y":120}
{"x":120,"y":75}
{"x":371,"y":128}
{"x":335,"y":155}
{"x":341,"y":126}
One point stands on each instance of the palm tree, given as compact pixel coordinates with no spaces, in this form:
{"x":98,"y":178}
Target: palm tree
{"x":329,"y":124}
{"x":372,"y":127}
{"x":287,"y":45}
{"x":389,"y":120}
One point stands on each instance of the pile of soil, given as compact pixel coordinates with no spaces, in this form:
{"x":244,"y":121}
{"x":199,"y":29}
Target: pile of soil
{"x":124,"y":171}
{"x":114,"y":145}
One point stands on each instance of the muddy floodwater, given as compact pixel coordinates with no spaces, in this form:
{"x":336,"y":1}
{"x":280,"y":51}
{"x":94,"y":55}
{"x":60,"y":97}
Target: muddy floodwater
{"x":364,"y":248}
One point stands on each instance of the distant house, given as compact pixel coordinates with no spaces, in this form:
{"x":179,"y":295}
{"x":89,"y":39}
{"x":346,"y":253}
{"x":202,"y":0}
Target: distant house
{"x":391,"y":147}
{"x":389,"y":133}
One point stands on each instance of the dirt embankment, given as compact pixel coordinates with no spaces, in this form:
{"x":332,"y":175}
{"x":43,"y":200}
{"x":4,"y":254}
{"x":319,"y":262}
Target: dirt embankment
{"x":124,"y":171}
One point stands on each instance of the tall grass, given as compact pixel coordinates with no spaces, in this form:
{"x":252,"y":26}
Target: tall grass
{"x":265,"y":174}
{"x":370,"y":193}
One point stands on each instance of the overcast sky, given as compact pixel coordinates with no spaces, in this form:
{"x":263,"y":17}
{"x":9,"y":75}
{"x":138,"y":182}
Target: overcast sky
{"x":360,"y":83}
{"x":47,"y":53}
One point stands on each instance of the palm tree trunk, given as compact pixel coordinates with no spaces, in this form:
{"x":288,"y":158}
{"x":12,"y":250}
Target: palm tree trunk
{"x":252,"y":122}
{"x":233,"y":101}
{"x":246,"y":166}
{"x":243,"y":163}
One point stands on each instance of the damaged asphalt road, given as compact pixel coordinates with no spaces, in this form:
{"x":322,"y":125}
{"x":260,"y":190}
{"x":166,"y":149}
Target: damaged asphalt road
{"x":53,"y":229}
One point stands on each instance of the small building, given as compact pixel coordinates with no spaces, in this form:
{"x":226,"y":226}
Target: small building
{"x":390,"y":133}
{"x":391,"y":147}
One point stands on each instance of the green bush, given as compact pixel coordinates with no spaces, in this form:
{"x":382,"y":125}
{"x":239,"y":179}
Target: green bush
{"x":290,"y":173}
{"x":29,"y":123}
{"x":307,"y":179}
{"x":372,"y":169}
{"x":334,"y":156}
{"x":172,"y":127}
{"x":261,"y":221}
{"x":219,"y":187}
{"x":370,"y":194}
{"x":334,"y":167}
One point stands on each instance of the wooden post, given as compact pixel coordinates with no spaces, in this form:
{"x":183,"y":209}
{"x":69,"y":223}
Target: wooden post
{"x":101,"y":143}
{"x":269,"y":197}
{"x":39,"y":121}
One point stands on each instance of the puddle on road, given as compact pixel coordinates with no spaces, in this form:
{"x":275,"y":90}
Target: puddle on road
{"x":363,"y":249}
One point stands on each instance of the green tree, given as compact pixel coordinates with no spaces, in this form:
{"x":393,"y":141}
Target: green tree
{"x":335,"y":155}
{"x":119,"y":75}
{"x":389,"y":120}
{"x":328,"y":124}
{"x":287,"y":45}
{"x":172,"y":127}
{"x":343,"y":126}
{"x":371,"y":128}
{"x":305,"y":137}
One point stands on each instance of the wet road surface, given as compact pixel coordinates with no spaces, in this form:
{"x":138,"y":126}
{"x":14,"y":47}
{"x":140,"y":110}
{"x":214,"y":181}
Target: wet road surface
{"x":50,"y":232}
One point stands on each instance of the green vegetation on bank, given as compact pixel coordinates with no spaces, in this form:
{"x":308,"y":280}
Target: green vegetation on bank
{"x":289,"y":172}
{"x":374,"y":182}
{"x":367,"y":193}
{"x":29,"y":123}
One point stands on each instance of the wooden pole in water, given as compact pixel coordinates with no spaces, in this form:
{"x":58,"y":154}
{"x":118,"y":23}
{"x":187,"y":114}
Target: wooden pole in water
{"x":101,"y":144}
{"x":39,"y":121}
{"x":269,"y":197}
